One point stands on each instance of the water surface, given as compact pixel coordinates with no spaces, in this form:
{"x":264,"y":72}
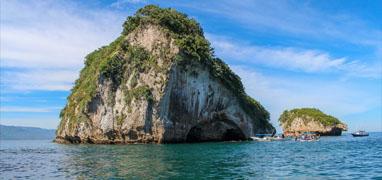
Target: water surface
{"x":341,"y":157}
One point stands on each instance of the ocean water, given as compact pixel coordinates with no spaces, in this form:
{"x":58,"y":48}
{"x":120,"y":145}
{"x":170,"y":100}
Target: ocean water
{"x":342,"y":157}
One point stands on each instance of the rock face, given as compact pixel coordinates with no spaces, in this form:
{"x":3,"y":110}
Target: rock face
{"x":159,"y":83}
{"x":297,"y":121}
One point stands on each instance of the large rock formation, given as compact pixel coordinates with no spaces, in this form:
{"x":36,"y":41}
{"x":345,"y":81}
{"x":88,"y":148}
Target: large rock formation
{"x":297,"y":121}
{"x":159,"y":82}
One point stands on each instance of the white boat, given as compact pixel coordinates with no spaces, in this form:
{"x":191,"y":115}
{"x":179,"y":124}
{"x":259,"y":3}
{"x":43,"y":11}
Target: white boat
{"x":308,"y":137}
{"x":360,"y":134}
{"x":279,"y":137}
{"x":262,"y":139}
{"x":268,"y":138}
{"x":307,"y":140}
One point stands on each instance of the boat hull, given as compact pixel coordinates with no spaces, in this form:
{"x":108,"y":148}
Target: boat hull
{"x":359,"y":135}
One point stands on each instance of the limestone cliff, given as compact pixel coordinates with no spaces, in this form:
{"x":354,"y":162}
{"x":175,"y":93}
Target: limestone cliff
{"x":297,"y":121}
{"x":159,"y":82}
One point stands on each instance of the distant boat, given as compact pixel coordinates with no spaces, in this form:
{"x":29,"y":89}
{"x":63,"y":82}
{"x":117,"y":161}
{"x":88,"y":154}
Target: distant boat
{"x":268,"y":138}
{"x":360,"y":133}
{"x":262,"y":139}
{"x":308,"y":137}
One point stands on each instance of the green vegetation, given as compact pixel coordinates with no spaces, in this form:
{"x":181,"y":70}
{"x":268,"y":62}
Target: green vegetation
{"x":141,"y":91}
{"x":166,"y":17}
{"x":308,"y":114}
{"x":108,"y":62}
{"x":85,"y":86}
{"x":194,"y":47}
{"x":120,"y":60}
{"x":113,"y":69}
{"x":140,"y":59}
{"x":120,"y":119}
{"x":187,"y":32}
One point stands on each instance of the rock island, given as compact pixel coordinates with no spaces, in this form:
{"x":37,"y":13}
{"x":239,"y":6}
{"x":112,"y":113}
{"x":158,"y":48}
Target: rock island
{"x":297,"y":121}
{"x":159,"y":82}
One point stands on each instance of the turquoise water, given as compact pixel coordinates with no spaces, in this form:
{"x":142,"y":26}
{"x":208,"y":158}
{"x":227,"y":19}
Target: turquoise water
{"x":341,"y":157}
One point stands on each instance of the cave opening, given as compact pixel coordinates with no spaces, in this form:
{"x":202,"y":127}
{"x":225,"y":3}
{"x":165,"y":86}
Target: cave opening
{"x":233,"y":135}
{"x":194,"y":135}
{"x":215,"y":131}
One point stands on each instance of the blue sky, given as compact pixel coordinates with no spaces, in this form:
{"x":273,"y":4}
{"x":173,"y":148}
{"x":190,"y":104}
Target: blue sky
{"x":289,"y":54}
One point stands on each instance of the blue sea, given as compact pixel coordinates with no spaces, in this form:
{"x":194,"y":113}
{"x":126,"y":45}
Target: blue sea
{"x":343,"y":157}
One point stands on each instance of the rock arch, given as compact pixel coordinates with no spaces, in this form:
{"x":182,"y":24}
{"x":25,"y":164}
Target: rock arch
{"x":216,"y":129}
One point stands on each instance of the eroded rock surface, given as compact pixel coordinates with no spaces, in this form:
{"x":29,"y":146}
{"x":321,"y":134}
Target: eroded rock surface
{"x":149,"y":89}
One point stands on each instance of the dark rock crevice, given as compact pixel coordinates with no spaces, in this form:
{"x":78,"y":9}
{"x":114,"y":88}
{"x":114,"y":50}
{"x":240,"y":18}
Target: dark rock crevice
{"x":215,"y":130}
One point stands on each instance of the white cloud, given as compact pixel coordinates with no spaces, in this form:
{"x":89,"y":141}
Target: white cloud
{"x":43,"y":45}
{"x":279,"y":93}
{"x":49,"y":41}
{"x":18,"y":109}
{"x":57,"y":35}
{"x":296,"y":19}
{"x":40,"y":79}
{"x":33,"y":48}
{"x":305,"y":60}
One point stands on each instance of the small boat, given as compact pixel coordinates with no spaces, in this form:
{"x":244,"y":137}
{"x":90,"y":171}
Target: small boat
{"x":308,"y":137}
{"x":261,"y":139}
{"x":279,"y":138}
{"x":360,"y":133}
{"x":268,"y":138}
